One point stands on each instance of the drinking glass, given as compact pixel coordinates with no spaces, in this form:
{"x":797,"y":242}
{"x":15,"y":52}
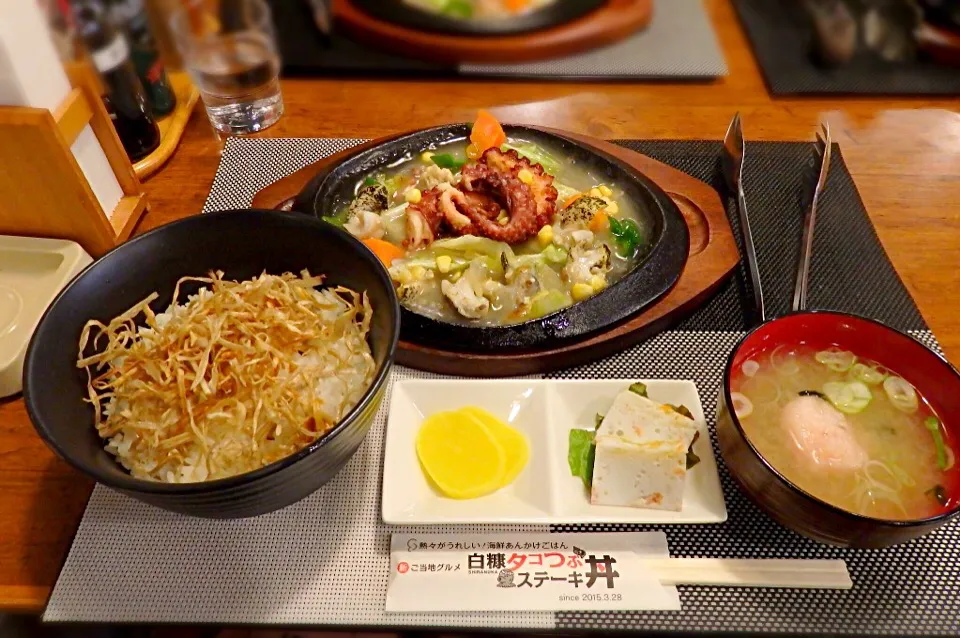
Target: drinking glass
{"x":229,"y":48}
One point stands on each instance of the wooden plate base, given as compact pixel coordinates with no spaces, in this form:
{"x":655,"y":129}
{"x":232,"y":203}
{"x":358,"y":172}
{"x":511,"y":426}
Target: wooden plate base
{"x":614,"y":21}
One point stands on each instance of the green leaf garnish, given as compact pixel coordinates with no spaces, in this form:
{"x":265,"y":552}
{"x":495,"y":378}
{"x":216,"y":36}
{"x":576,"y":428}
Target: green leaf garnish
{"x":581,"y":454}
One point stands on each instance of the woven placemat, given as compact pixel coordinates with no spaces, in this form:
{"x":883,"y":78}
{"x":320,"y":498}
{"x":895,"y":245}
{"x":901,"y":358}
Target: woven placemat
{"x":679,"y":43}
{"x":781,"y":44}
{"x":325,"y":560}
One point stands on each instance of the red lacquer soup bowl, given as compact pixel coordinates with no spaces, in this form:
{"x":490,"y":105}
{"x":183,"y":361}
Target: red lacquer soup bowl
{"x":933,"y":377}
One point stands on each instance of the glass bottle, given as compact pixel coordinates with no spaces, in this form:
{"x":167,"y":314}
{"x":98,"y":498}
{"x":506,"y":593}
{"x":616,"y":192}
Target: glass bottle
{"x":126,"y":99}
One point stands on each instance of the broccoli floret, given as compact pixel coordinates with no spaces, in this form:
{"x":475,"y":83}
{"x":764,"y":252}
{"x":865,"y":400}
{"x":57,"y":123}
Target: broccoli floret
{"x":582,"y":210}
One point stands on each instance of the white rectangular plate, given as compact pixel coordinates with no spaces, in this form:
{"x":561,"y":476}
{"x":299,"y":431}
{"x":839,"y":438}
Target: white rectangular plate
{"x":545,"y":492}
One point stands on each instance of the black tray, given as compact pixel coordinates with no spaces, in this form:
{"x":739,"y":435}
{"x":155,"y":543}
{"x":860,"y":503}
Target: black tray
{"x":781,"y":43}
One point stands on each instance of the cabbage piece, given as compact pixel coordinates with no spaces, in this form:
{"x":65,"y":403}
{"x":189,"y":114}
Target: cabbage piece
{"x":564,"y":193}
{"x":535,"y":154}
{"x":395,"y":223}
{"x":474,"y":244}
{"x":547,"y":303}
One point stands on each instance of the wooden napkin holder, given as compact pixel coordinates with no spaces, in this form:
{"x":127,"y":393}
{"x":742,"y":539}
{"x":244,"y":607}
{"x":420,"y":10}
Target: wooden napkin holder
{"x":44,"y":192}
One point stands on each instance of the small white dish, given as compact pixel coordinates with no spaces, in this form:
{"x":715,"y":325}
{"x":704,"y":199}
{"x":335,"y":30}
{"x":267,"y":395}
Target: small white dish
{"x":545,"y":492}
{"x":33,"y":271}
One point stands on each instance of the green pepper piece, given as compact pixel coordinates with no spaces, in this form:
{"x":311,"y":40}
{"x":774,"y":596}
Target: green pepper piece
{"x":626,"y":233}
{"x":446,"y":160}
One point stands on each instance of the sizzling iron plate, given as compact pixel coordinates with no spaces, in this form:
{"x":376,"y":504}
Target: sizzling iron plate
{"x":400,"y":13}
{"x":654,"y":275}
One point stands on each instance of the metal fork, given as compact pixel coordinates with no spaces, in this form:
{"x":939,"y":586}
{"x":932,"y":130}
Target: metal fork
{"x":732,"y":160}
{"x":823,"y":147}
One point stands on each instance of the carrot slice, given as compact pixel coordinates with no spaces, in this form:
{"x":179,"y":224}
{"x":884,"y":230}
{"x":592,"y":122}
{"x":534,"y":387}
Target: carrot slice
{"x":599,"y":222}
{"x":487,"y":132}
{"x":574,"y":198}
{"x":384,"y":250}
{"x":516,"y":5}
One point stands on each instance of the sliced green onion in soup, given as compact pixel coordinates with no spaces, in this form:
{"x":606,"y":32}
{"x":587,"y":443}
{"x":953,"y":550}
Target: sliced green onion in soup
{"x":784,"y":363}
{"x":933,"y":426}
{"x":836,"y":359}
{"x":871,"y":375}
{"x":850,"y":398}
{"x":742,"y":406}
{"x":902,"y":476}
{"x":761,"y":389}
{"x":901,"y":394}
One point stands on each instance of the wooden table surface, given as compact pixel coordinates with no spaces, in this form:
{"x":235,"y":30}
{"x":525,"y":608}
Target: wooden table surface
{"x":904,"y":155}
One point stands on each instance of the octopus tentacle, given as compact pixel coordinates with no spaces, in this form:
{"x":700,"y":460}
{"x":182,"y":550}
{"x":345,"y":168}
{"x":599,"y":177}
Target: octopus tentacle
{"x":484,"y":203}
{"x":424,"y":220}
{"x":518,"y":199}
{"x":542,"y":183}
{"x":472,"y":208}
{"x":451,"y":200}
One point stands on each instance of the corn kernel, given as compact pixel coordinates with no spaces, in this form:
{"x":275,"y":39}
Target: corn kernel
{"x":413,"y":196}
{"x":582,"y":291}
{"x":503,"y":221}
{"x":443,"y":263}
{"x":595,"y":192}
{"x":525,"y":176}
{"x":613,"y":208}
{"x":418,"y":272}
{"x":426,"y":156}
{"x":605,"y":190}
{"x":545,"y":236}
{"x":598,"y":283}
{"x":473,"y":152}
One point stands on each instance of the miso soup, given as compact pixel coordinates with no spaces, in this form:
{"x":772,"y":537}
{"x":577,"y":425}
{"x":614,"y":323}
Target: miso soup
{"x":848,"y":431}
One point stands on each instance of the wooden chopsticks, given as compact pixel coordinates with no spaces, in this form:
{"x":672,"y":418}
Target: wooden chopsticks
{"x":774,"y":572}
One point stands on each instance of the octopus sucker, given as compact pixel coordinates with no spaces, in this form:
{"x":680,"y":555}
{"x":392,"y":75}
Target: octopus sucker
{"x":451,"y":201}
{"x":542,"y":184}
{"x":523,"y":223}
